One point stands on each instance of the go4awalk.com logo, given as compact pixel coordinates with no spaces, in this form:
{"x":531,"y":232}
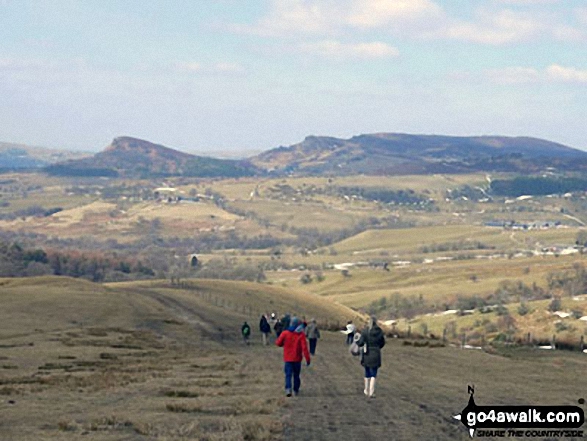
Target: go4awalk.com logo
{"x":521,"y":421}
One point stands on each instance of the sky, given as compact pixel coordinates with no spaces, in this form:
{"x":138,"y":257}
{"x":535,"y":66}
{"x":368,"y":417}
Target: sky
{"x":233,"y":75}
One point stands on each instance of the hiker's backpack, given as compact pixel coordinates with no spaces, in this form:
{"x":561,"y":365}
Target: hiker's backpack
{"x":246,"y":330}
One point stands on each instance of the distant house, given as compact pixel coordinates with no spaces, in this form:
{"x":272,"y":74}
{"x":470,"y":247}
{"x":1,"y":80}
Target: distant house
{"x":168,"y":194}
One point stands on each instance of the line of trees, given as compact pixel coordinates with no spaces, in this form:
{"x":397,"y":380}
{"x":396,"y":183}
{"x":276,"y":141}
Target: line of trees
{"x":18,"y":261}
{"x":537,"y":186}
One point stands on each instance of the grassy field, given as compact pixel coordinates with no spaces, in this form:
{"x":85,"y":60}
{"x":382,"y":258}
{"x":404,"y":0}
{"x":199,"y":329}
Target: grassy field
{"x":141,"y":361}
{"x":541,"y":324}
{"x":152,"y":362}
{"x":273,"y":205}
{"x":412,"y":240}
{"x":437,"y":282}
{"x":293,"y":208}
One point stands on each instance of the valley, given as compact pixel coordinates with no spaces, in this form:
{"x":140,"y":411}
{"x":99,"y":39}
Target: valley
{"x":123,"y":297}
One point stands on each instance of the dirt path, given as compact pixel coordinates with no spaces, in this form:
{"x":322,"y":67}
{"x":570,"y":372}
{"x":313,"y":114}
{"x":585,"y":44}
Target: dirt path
{"x":332,"y":406}
{"x":419,"y":389}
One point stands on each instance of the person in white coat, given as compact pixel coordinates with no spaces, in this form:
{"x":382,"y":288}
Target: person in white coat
{"x":350,"y":332}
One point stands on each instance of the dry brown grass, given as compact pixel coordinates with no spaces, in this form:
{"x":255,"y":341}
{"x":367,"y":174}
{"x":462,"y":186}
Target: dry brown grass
{"x":133,"y":370}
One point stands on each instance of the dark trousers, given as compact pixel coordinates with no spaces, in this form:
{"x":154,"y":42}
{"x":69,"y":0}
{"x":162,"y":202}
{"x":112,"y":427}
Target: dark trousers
{"x":313,"y":342}
{"x":349,"y":338}
{"x":292,"y":369}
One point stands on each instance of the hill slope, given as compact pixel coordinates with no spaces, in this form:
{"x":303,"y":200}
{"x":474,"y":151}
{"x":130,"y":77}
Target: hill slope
{"x":19,"y":156}
{"x":139,"y":361}
{"x":396,"y":153}
{"x":131,"y":157}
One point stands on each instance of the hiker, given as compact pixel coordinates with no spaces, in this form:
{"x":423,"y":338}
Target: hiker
{"x":285,"y":321}
{"x":272,"y":320}
{"x":265,"y":329}
{"x":350,"y":332}
{"x":304,"y":322}
{"x":294,"y":346}
{"x":313,"y":334}
{"x":278,"y":328}
{"x":246,"y":332}
{"x":372,"y":340}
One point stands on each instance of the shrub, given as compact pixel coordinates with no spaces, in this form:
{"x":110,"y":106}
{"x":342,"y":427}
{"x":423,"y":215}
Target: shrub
{"x":555,"y":304}
{"x":306,"y":278}
{"x":523,"y":309}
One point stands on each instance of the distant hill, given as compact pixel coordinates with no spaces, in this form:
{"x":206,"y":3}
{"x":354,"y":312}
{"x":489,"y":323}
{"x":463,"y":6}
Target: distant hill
{"x":372,"y":154}
{"x":131,"y":157}
{"x":396,"y":153}
{"x":20,"y":156}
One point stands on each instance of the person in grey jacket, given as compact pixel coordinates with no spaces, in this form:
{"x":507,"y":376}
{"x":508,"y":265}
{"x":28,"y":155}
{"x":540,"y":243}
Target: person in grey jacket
{"x":372,"y":340}
{"x":313,"y":334}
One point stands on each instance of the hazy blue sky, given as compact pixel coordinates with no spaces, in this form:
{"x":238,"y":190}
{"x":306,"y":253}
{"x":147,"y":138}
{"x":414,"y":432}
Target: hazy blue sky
{"x":211,"y":75}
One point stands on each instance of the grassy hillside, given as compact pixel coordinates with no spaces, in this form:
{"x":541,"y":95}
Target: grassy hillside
{"x":147,"y":361}
{"x":537,"y":325}
{"x":245,"y":299}
{"x":142,"y":361}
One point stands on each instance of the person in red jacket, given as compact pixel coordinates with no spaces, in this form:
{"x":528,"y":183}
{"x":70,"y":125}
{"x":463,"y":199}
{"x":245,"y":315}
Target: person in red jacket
{"x":293,"y":341}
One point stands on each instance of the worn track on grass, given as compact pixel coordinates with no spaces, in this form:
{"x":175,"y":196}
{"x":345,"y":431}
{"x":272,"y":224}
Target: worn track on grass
{"x":332,"y":406}
{"x":419,"y":389}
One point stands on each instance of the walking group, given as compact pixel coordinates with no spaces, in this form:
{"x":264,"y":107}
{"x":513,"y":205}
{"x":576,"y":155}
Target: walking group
{"x":299,"y":340}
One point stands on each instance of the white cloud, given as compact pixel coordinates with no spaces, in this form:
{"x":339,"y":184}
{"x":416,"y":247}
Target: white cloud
{"x":336,"y":49}
{"x":293,"y":17}
{"x":568,"y":33}
{"x":377,"y":13}
{"x":296,"y":20}
{"x":495,"y":28}
{"x":566,"y":74}
{"x":551,"y":74}
{"x":528,"y":2}
{"x":513,"y":75}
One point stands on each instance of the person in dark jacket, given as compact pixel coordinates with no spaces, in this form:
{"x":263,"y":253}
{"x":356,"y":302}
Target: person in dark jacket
{"x":246,"y":332}
{"x":295,"y":348}
{"x":285,"y":321}
{"x":372,"y":340}
{"x":313,"y":334}
{"x":265,"y":329}
{"x":278,"y":328}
